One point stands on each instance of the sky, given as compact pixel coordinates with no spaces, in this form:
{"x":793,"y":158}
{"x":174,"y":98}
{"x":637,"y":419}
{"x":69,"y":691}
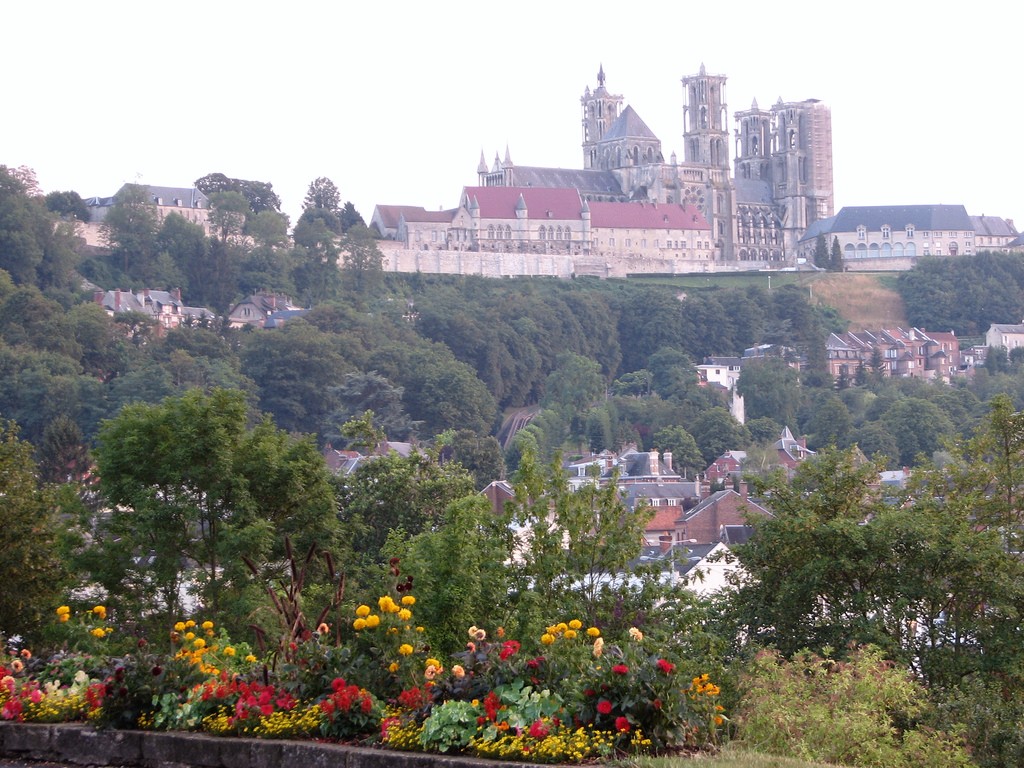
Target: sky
{"x":394,"y":102}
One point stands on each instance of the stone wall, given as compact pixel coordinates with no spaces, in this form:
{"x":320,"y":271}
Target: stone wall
{"x":499,"y":264}
{"x":84,"y":745}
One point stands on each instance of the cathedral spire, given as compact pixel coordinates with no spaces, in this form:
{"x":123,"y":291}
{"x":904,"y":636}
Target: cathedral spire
{"x":482,"y":168}
{"x":600,"y":74}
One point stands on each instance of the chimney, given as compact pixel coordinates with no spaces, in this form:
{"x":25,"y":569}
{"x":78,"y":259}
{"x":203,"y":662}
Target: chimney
{"x":145,"y":293}
{"x":177,"y":294}
{"x":117,"y":300}
{"x":743,"y":490}
{"x":665,"y":543}
{"x":98,"y":297}
{"x":667,"y":458}
{"x":653,"y":455}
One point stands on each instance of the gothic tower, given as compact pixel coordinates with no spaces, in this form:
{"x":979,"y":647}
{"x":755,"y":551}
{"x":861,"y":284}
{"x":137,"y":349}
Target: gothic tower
{"x":600,"y":110}
{"x":705,"y":136}
{"x":754,"y":144}
{"x":706,"y":145}
{"x":802,"y":163}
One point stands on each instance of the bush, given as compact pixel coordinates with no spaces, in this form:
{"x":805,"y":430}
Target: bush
{"x":860,"y":712}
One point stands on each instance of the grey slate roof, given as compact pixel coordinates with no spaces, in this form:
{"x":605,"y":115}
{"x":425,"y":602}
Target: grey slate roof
{"x":922,"y":217}
{"x":992,"y":226}
{"x":594,"y":182}
{"x":629,"y":125}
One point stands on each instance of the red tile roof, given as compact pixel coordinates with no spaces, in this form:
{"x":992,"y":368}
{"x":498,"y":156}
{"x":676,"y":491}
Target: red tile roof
{"x":646,"y":216}
{"x":500,"y":202}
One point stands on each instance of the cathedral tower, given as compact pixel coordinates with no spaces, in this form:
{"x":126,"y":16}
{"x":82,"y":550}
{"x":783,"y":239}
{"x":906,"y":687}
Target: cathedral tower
{"x":705,"y":136}
{"x":600,"y":111}
{"x":754,"y":138}
{"x":802,"y":162}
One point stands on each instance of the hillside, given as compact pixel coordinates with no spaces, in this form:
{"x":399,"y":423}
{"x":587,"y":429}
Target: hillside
{"x":862,"y":299}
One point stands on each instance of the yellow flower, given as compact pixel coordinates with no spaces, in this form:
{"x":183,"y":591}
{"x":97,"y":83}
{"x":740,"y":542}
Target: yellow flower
{"x":576,"y":624}
{"x":408,"y":600}
{"x":207,"y":625}
{"x":199,"y":642}
{"x":97,"y":632}
{"x":393,"y":667}
{"x":189,"y":624}
{"x":392,"y":630}
{"x":419,"y":629}
{"x":64,"y":611}
{"x":372,"y":620}
{"x":594,"y":632}
{"x":250,"y":658}
{"x":562,"y":627}
{"x":405,"y":649}
{"x":363,"y":611}
{"x":100,"y":611}
{"x":405,"y":614}
{"x":433,"y":663}
{"x":359,"y":624}
{"x":387,"y":605}
{"x":64,"y":617}
{"x":636,"y":634}
{"x":190,"y":635}
{"x":108,"y":630}
{"x":570,"y":634}
{"x":547,"y":638}
{"x":229,"y":651}
{"x":179,"y":627}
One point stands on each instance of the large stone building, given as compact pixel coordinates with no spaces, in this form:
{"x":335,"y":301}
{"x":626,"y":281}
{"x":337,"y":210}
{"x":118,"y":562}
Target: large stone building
{"x":636,"y":212}
{"x":782,"y":183}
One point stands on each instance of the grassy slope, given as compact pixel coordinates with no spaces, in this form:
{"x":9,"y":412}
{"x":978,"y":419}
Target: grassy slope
{"x":866,"y":300}
{"x":730,"y":758}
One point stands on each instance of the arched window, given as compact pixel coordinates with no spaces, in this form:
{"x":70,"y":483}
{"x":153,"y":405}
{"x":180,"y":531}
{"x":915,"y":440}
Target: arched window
{"x":490,"y":232}
{"x":508,"y":233}
{"x":542,"y":232}
{"x":558,"y":233}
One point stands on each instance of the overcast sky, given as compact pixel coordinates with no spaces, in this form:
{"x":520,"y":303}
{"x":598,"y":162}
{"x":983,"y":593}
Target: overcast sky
{"x":395,"y":101}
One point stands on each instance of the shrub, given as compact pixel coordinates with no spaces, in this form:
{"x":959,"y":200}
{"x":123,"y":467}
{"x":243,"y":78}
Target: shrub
{"x":861,"y":712}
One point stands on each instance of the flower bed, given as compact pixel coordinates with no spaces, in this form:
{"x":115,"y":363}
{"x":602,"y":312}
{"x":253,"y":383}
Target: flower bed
{"x":571,"y":695}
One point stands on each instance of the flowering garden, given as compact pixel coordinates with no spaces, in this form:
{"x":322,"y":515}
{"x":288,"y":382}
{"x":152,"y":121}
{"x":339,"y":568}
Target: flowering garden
{"x":570,"y":695}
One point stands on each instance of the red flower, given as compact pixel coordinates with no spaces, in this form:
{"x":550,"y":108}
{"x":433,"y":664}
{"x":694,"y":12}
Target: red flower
{"x":589,"y":692}
{"x":620,"y":669}
{"x":538,"y":730}
{"x":622,"y":724}
{"x":657,"y":703}
{"x":509,"y":648}
{"x":666,"y":666}
{"x":604,"y":707}
{"x":337,"y":684}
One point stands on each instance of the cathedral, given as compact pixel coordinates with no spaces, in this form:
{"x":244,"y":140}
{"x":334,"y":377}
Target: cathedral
{"x":757,"y":208}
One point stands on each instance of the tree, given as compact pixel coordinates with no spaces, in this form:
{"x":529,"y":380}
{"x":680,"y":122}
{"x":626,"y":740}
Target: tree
{"x":361,"y":392}
{"x":770,"y":388}
{"x":62,"y":454}
{"x":259,"y":195}
{"x":835,"y":263}
{"x":68,"y":205}
{"x":481,"y":456}
{"x":686,"y":456}
{"x":193,"y":490}
{"x":350,"y":217}
{"x":821,"y":257}
{"x":397,"y":493}
{"x":576,"y":546}
{"x":324,"y":195}
{"x":716,"y":431}
{"x":30,"y":565}
{"x":129,"y":230}
{"x":837,"y":566}
{"x":361,"y":259}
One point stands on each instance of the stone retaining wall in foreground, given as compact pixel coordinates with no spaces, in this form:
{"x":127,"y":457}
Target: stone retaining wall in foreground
{"x":84,"y":745}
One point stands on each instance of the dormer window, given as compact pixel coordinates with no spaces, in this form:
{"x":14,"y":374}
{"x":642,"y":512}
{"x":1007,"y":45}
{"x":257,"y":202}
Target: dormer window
{"x":910,"y":232}
{"x":862,"y":232}
{"x":886,"y":232}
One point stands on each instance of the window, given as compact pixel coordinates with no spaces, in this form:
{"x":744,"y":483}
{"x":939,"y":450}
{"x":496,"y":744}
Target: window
{"x":611,"y":241}
{"x":926,"y":235}
{"x":433,"y":236}
{"x":886,"y":232}
{"x":862,"y":232}
{"x":629,"y":243}
{"x":643,"y":243}
{"x":542,"y":233}
{"x":910,"y":233}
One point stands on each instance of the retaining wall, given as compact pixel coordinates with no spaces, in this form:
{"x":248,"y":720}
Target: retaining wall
{"x":73,"y":744}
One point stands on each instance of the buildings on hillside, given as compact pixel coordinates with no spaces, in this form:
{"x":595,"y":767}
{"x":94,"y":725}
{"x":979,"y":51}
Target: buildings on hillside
{"x":912,"y":353}
{"x":187,"y":202}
